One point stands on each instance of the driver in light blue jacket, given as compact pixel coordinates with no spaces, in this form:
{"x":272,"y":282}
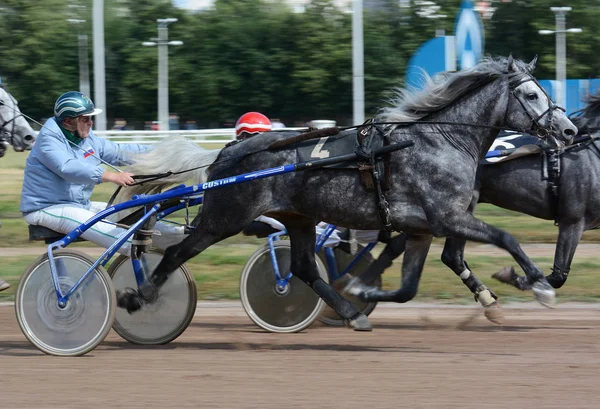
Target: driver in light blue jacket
{"x":64,"y":167}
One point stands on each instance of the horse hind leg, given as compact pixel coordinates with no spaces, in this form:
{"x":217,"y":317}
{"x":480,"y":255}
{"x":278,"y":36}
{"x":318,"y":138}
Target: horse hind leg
{"x":466,"y":226}
{"x":393,"y":249}
{"x":363,"y":282}
{"x":206,"y":232}
{"x":453,"y":257}
{"x":303,"y":266}
{"x":417,"y":248}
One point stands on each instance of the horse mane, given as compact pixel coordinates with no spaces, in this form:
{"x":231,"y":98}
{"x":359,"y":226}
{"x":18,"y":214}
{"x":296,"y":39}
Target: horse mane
{"x":589,"y":116}
{"x":411,"y":105}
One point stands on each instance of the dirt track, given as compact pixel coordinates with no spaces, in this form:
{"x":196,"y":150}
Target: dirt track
{"x":419,"y":356}
{"x":533,"y":250}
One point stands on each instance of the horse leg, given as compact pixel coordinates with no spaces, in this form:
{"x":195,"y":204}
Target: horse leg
{"x":393,"y":249}
{"x":453,"y":257}
{"x":206,"y":233}
{"x":303,"y":265}
{"x":417,"y":248}
{"x":569,"y":235}
{"x":466,"y":226}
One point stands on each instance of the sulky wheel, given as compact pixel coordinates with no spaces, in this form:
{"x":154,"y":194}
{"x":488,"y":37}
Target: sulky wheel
{"x":343,"y":259}
{"x":163,"y":320}
{"x":289,"y":309}
{"x":83,"y":322}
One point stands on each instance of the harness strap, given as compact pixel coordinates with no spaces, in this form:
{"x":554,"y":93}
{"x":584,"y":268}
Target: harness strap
{"x":377,"y":167}
{"x":551,"y":172}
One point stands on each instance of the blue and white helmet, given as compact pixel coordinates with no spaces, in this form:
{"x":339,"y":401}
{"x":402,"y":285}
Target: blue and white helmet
{"x":72,"y":104}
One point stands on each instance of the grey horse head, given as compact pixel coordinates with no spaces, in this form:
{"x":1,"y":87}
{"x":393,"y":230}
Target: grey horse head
{"x":537,"y":107}
{"x":528,"y":107}
{"x":14,"y":128}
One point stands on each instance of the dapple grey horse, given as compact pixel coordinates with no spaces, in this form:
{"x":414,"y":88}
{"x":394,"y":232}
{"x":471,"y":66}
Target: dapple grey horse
{"x":452,"y":122}
{"x":525,"y":184}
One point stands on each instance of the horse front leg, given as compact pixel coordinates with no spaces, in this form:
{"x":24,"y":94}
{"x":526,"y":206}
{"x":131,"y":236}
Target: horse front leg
{"x":569,"y":235}
{"x":303,"y":265}
{"x":465,"y":226}
{"x":453,"y":257}
{"x":417,"y":248}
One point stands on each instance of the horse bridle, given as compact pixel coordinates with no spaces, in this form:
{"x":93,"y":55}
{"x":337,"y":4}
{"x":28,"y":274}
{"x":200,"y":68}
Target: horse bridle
{"x":536,"y":128}
{"x":3,"y":130}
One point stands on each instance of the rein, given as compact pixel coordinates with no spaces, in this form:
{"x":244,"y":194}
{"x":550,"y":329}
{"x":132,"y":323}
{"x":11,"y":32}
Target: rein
{"x":536,"y":129}
{"x":318,"y":133}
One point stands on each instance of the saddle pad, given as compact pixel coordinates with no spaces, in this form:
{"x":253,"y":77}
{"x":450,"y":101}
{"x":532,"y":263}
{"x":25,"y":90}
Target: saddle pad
{"x":515,"y":144}
{"x":342,"y":144}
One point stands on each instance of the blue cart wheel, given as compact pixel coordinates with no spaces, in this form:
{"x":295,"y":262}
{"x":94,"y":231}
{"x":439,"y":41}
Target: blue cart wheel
{"x":290,"y":308}
{"x":87,"y":317}
{"x":166,"y":318}
{"x":343,"y":259}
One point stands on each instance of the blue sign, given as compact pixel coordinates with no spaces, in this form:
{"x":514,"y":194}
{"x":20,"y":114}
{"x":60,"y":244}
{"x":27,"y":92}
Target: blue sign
{"x":441,"y":53}
{"x":469,"y":36}
{"x":577,"y":92}
{"x":434,"y":56}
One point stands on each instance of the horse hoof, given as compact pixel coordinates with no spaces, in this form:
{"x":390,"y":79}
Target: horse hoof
{"x":544,"y":293}
{"x":129,"y":299}
{"x":494,"y":313}
{"x":359,"y":323}
{"x":507,"y":275}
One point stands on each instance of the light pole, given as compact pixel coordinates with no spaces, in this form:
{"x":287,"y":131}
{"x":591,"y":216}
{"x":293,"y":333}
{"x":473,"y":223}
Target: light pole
{"x":358,"y":74}
{"x":99,"y":66}
{"x":561,"y":53}
{"x":163,"y":44}
{"x":84,"y":71}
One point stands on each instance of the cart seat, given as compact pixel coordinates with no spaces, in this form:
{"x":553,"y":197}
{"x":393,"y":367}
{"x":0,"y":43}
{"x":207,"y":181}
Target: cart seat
{"x":39,"y":233}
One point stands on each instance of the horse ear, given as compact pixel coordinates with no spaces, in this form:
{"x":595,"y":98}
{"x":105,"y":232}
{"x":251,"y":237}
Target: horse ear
{"x":511,"y":64}
{"x":531,"y":65}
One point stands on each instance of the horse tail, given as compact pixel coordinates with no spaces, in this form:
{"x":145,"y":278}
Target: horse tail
{"x":186,"y":160}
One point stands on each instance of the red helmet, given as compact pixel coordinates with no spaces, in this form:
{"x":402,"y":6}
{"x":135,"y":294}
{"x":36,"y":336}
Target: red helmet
{"x":252,"y":123}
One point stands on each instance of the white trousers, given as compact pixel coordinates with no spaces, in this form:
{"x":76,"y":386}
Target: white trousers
{"x":64,"y":218}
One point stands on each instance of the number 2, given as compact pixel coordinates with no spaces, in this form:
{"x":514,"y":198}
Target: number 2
{"x":318,"y":151}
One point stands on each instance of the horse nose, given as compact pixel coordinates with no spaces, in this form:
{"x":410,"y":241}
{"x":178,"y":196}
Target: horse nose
{"x":569,"y":134}
{"x":28,"y":141}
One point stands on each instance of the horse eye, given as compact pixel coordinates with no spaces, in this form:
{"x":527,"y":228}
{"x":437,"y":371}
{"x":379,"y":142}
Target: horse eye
{"x":532,"y":97}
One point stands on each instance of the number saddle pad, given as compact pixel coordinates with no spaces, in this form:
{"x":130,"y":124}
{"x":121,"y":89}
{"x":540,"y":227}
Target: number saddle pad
{"x":343,"y":143}
{"x":347,"y":142}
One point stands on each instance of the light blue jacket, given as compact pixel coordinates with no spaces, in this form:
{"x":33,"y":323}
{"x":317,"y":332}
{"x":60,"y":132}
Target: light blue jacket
{"x":57,"y":172}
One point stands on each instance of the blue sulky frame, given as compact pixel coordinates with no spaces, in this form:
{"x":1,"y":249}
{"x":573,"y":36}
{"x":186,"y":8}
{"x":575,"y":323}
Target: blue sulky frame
{"x":332,"y":270}
{"x":190,"y":196}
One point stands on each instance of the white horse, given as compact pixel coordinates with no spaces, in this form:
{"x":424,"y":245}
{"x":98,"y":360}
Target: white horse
{"x":14,"y":128}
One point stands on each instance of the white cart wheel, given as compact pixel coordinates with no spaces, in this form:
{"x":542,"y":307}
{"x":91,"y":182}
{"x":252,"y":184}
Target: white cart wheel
{"x":163,"y":320}
{"x":88,"y":316}
{"x":289,"y":309}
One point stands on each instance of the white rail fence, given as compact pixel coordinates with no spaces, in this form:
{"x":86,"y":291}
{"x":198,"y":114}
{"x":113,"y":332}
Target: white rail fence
{"x":205,"y":136}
